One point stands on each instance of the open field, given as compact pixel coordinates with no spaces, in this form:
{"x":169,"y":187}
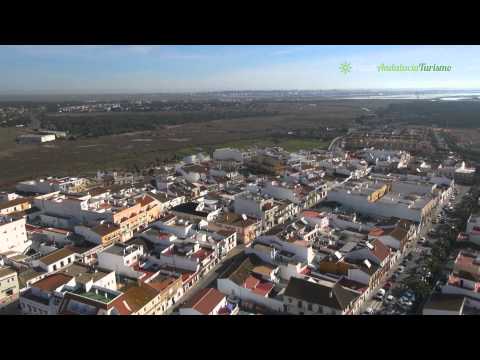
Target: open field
{"x":138,"y":149}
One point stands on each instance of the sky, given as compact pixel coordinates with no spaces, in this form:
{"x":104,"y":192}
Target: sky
{"x":141,"y":68}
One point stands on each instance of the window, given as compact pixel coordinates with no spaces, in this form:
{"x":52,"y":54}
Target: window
{"x":54,"y":267}
{"x":310,"y":307}
{"x":62,"y":264}
{"x":69,"y":260}
{"x":300,"y":304}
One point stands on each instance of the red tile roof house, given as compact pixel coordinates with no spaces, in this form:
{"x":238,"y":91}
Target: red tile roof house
{"x":208,"y":301}
{"x":249,"y":278}
{"x":44,"y":296}
{"x":465,"y":277}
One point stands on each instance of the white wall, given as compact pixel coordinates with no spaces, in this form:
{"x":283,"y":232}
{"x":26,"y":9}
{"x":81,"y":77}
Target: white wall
{"x":88,"y":234}
{"x":118,"y":264}
{"x":378,"y":208}
{"x":228,"y":287}
{"x":13,"y":236}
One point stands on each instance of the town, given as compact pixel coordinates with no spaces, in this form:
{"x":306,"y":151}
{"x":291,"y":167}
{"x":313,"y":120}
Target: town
{"x":383,"y":222}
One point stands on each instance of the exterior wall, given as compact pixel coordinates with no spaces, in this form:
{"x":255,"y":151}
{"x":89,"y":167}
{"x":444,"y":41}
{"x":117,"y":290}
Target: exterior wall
{"x":9,"y":289}
{"x":53,"y":221}
{"x":228,"y":287}
{"x":473,"y":229}
{"x":30,"y":307}
{"x":281,"y":193}
{"x":76,"y":209}
{"x":248,"y":207}
{"x":95,"y":238}
{"x":176,"y":261}
{"x":16,"y":208}
{"x":165,"y":300}
{"x":60,"y":264}
{"x":108,"y":282}
{"x":288,"y":271}
{"x":298,"y":307}
{"x":302,"y":253}
{"x":13,"y":236}
{"x":378,"y":208}
{"x":245,"y":235}
{"x":120,"y":264}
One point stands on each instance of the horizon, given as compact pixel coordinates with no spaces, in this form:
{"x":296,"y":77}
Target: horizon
{"x":206,"y":92}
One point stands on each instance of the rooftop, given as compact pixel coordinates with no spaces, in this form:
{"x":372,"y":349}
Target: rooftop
{"x":6,"y":271}
{"x":205,"y":300}
{"x":52,"y":282}
{"x":56,"y":256}
{"x":332,"y":296}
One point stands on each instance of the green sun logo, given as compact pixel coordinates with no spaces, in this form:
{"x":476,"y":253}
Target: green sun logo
{"x":345,"y":68}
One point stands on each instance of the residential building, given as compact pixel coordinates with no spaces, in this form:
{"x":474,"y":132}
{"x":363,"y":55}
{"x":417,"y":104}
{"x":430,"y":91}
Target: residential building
{"x":9,"y":288}
{"x":13,"y":234}
{"x":310,"y":297}
{"x":209,"y":301}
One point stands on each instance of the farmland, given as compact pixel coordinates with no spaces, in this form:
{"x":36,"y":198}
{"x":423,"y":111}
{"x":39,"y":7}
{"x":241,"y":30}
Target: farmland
{"x":294,"y":125}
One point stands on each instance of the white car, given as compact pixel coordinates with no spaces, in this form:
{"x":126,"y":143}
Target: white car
{"x":390,"y":298}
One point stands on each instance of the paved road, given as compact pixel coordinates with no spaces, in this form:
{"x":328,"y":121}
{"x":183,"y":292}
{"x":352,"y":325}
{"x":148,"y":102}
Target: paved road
{"x":417,"y":256}
{"x":208,"y":280}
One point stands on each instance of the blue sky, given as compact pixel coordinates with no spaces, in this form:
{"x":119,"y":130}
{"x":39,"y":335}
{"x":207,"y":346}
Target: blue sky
{"x":140,"y":68}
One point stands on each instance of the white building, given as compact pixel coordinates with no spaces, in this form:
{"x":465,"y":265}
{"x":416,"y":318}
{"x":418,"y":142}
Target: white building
{"x":473,"y":228}
{"x":378,"y":199}
{"x":13,"y":235}
{"x":35,"y":138}
{"x":121,"y":259}
{"x":55,"y":260}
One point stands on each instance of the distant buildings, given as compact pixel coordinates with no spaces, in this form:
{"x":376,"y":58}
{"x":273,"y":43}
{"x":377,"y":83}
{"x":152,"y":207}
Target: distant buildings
{"x":35,"y":138}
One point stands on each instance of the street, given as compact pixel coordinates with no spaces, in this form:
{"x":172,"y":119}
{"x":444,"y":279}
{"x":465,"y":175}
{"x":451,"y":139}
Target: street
{"x":411,"y":263}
